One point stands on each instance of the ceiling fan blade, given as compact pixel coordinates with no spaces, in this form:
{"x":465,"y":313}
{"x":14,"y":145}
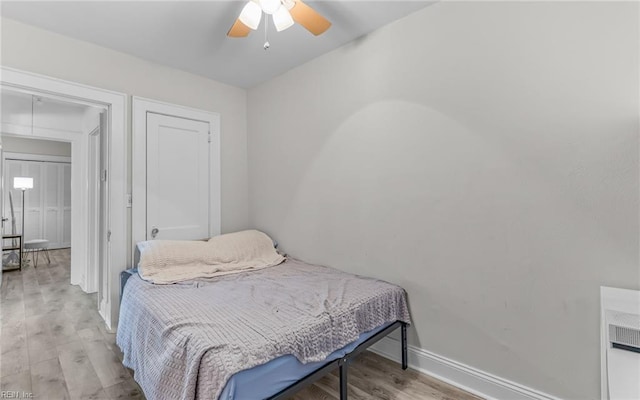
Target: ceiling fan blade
{"x":309,"y":18}
{"x":239,"y":30}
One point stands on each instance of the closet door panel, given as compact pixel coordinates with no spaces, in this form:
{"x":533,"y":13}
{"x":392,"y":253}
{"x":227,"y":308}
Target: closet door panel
{"x":51,"y":228}
{"x":66,"y":204}
{"x":66,"y":231}
{"x":33,"y":201}
{"x":52,"y":206}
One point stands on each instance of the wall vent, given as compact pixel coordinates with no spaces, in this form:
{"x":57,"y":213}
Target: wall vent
{"x":624,"y":330}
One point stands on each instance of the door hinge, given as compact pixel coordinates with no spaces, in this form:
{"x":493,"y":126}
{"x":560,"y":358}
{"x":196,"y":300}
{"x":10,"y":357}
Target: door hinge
{"x":209,"y":137}
{"x":103,"y":175}
{"x":108,"y":236}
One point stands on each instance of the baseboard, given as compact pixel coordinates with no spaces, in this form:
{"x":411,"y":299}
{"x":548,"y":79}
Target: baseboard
{"x":472,"y":380}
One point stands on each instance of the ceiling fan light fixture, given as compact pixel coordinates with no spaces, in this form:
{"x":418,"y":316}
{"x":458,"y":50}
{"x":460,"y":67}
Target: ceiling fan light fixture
{"x":282,"y":19}
{"x":251,"y":15}
{"x":288,"y":4}
{"x":284,"y":13}
{"x":270,"y":6}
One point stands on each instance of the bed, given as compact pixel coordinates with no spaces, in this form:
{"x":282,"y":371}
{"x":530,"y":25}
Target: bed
{"x":262,"y":334}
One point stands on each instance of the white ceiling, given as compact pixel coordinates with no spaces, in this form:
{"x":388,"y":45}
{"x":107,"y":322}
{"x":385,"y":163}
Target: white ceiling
{"x":191,"y":36}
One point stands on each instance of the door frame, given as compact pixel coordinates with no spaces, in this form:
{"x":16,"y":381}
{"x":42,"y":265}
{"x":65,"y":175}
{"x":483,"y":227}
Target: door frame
{"x":140,"y":107}
{"x":115,"y":104}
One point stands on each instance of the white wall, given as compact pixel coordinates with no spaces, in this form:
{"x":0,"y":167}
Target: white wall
{"x":482,"y":155}
{"x":32,"y":49}
{"x":36,"y":146}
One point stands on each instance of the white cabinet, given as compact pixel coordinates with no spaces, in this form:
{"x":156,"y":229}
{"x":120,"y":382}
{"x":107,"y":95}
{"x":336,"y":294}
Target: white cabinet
{"x":47,"y":205}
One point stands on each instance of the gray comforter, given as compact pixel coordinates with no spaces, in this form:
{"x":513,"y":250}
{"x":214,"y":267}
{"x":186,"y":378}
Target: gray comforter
{"x":185,"y":341}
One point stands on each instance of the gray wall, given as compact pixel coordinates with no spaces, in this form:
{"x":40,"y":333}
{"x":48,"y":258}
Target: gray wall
{"x":32,"y":49}
{"x":482,"y":155}
{"x":32,"y":146}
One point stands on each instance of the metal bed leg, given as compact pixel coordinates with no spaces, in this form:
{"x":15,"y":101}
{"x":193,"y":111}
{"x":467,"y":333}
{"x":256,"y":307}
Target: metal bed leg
{"x":404,"y":345}
{"x":343,"y":381}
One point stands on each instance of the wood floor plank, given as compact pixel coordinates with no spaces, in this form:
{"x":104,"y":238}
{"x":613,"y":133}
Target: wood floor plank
{"x":11,"y":310}
{"x":30,"y":286}
{"x":106,"y":364}
{"x":91,"y":334}
{"x":386,"y":389}
{"x":53,"y":291}
{"x":390,"y":378}
{"x":39,"y":340}
{"x":62,"y":328}
{"x":47,"y":380}
{"x":13,"y":336}
{"x":84,"y":319}
{"x":20,"y":382}
{"x":43,"y":279}
{"x":80,"y":377}
{"x":14,"y":361}
{"x":12,"y":289}
{"x":58,"y":274}
{"x":34,"y":304}
{"x":331,"y":384}
{"x":314,"y":392}
{"x":127,"y":389}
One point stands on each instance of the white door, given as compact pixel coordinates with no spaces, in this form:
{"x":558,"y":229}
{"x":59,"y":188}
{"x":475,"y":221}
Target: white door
{"x":177,"y":178}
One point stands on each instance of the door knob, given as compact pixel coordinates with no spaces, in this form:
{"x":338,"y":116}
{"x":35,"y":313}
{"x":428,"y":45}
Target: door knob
{"x":154,"y":232}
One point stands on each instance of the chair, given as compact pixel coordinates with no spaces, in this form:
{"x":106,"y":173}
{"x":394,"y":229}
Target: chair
{"x":36,"y":246}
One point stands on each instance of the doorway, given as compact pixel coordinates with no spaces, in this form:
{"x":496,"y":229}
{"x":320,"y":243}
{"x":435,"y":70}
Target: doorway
{"x":98,"y":209}
{"x":40,"y":136}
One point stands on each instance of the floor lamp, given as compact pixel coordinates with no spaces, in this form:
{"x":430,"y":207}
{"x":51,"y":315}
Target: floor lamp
{"x":22,"y":183}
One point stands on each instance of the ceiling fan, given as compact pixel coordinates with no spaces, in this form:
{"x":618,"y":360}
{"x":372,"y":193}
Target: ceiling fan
{"x":283,"y":13}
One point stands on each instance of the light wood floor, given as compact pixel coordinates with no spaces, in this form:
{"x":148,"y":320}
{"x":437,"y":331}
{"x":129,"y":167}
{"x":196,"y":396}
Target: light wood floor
{"x":54,"y":344}
{"x":375,"y":377}
{"x":53,"y":341}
